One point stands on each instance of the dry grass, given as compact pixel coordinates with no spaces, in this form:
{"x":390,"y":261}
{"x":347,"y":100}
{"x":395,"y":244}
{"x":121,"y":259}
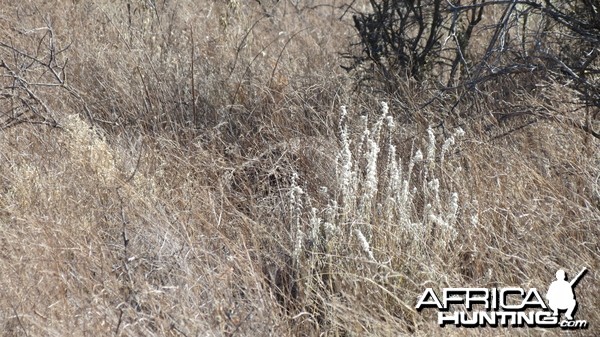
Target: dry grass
{"x":245,"y":205}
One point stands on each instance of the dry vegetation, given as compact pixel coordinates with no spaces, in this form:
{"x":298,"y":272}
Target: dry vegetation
{"x":141,"y":198}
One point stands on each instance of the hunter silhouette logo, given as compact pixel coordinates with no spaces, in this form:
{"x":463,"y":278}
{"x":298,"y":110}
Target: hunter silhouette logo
{"x":561,"y":295}
{"x":507,"y":307}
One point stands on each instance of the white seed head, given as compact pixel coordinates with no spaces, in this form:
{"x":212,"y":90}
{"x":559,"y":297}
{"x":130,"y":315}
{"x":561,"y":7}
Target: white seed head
{"x":430,"y":145}
{"x":384,"y":108}
{"x":364,"y":244}
{"x":417,"y":157}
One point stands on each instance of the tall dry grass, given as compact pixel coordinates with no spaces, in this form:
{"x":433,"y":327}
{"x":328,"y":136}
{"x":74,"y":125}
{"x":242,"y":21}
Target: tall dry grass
{"x":252,"y":203}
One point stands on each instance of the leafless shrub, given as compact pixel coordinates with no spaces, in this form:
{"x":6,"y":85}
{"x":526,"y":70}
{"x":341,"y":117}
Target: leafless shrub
{"x":28,"y":70}
{"x":527,"y":43}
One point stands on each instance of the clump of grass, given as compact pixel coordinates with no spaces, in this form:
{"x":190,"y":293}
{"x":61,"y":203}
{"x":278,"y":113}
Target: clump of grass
{"x":246,"y":204}
{"x":380,"y":203}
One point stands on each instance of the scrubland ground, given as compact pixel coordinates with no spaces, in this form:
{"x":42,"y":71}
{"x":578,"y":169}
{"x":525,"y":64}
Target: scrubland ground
{"x":191,"y":171}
